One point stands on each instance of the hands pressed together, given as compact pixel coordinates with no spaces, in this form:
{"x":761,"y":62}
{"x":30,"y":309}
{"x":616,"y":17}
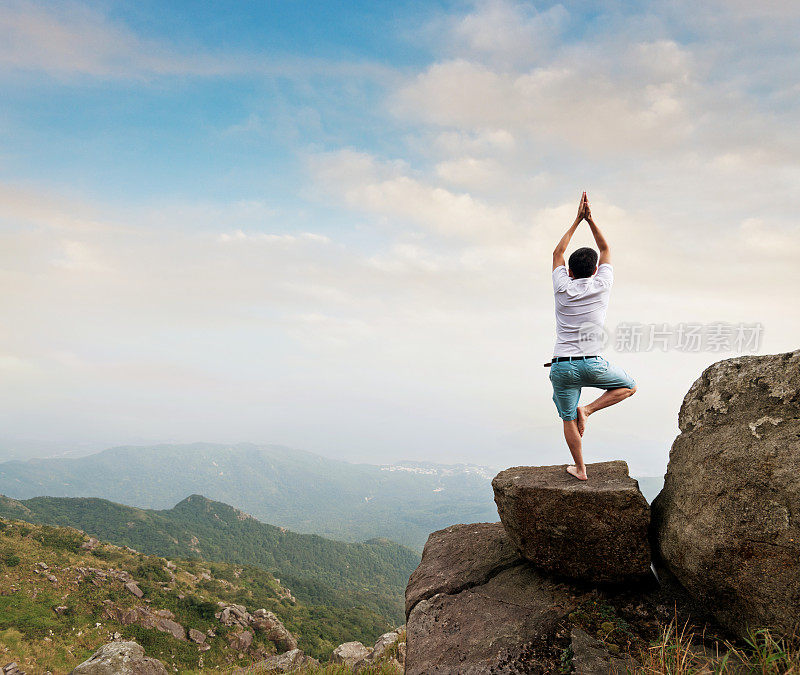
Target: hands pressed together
{"x":584,"y":211}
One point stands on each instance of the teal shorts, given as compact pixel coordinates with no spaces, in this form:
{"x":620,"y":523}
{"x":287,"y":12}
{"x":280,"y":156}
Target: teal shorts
{"x":568,"y":377}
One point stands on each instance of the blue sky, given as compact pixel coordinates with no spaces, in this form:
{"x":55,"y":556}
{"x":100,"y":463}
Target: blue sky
{"x":329,"y":225}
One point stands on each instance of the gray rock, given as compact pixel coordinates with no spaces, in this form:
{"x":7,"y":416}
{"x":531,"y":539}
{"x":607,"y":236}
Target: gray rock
{"x":273,"y":629}
{"x":288,"y":662}
{"x":382,"y":645}
{"x":726,"y":521}
{"x":120,"y":658}
{"x":160,"y":619}
{"x":241,"y":640}
{"x":197,"y":636}
{"x":487,"y":616}
{"x":133,"y":587}
{"x":460,"y":556}
{"x":594,"y":530}
{"x":349,"y":653}
{"x":590,"y":657}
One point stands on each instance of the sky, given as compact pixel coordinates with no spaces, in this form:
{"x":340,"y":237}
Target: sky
{"x":329,"y":225}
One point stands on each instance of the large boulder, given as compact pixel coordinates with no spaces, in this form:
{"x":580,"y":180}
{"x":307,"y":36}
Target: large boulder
{"x":594,"y":530}
{"x":120,"y":658}
{"x":727,"y":522}
{"x":474,"y":605}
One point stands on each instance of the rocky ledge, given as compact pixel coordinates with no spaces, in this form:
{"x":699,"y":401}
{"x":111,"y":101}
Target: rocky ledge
{"x":475,"y":605}
{"x":595,"y":530}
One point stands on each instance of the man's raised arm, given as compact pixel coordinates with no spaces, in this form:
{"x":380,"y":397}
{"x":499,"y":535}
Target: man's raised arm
{"x":561,"y":247}
{"x":599,"y":239}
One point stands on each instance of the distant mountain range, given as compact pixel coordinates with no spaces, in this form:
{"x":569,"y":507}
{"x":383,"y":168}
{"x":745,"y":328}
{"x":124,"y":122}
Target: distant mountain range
{"x":295,"y":489}
{"x":371,"y":575}
{"x":292,"y":488}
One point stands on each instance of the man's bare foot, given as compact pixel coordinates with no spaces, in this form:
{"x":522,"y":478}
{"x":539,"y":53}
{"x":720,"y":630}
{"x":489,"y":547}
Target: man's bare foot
{"x":573,"y":470}
{"x":582,"y":416}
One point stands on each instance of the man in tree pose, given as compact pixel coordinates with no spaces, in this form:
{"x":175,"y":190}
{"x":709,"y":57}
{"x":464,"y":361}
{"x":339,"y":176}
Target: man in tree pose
{"x":581,"y":294}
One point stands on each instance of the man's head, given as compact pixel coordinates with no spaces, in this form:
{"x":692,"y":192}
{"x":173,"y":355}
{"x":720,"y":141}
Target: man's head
{"x":583,"y":263}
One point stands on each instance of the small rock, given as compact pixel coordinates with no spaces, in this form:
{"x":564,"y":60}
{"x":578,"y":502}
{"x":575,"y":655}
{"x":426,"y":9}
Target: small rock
{"x":197,"y":636}
{"x":382,"y":645}
{"x":120,"y":658}
{"x":273,"y":629}
{"x":60,"y":609}
{"x":241,"y":641}
{"x":90,"y":545}
{"x":590,"y":657}
{"x":287,"y":662}
{"x":349,"y":653}
{"x":133,"y":587}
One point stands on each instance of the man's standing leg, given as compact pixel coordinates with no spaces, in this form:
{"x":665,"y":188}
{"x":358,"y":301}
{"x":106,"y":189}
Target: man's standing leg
{"x":566,"y":394}
{"x":573,"y":438}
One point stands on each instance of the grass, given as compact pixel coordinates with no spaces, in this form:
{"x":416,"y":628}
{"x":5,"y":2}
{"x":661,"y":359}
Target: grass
{"x":682,"y":651}
{"x":39,"y":638}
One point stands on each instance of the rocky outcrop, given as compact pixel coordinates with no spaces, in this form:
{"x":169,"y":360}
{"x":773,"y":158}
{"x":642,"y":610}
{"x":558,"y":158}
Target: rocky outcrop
{"x":469,"y":573}
{"x":160,"y":619}
{"x":727,"y":522}
{"x":120,"y":658}
{"x":261,"y":620}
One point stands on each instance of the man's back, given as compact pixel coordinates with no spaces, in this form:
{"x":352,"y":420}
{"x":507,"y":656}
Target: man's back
{"x":579,"y":302}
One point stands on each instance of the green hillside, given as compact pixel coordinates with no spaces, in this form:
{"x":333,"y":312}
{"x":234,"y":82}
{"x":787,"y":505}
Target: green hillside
{"x":298,"y":490}
{"x":368,"y":576}
{"x":59,"y":601}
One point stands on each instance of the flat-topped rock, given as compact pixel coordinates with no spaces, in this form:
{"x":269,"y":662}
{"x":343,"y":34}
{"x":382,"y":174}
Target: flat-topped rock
{"x":594,"y":530}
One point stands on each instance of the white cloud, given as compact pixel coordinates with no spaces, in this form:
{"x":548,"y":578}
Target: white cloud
{"x":385,"y":189}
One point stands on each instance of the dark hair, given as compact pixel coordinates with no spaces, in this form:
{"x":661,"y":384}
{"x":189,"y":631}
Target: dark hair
{"x":583,"y":262}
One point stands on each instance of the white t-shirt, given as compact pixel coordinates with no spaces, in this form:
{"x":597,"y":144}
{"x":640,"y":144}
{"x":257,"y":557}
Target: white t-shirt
{"x":581,"y":306}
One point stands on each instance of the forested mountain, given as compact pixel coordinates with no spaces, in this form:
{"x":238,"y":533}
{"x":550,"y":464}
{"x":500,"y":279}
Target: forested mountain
{"x":292,"y":488}
{"x":372,"y":574}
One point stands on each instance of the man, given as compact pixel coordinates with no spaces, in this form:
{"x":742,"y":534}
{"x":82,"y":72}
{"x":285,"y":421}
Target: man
{"x":581,"y":295}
